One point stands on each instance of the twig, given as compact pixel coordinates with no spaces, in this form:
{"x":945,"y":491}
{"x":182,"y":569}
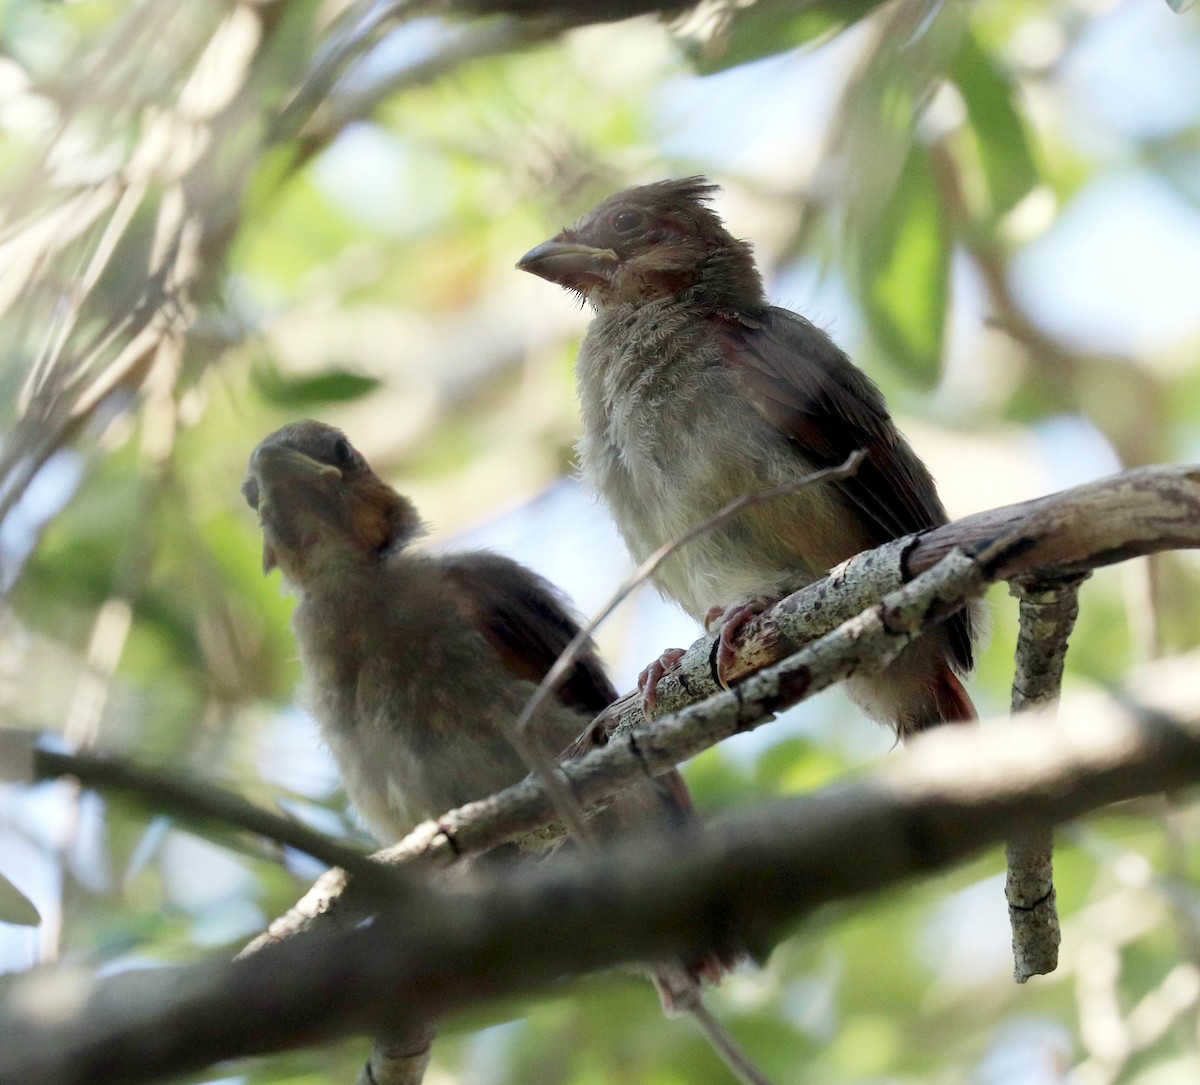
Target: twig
{"x":722,"y":1042}
{"x":1131,"y":514}
{"x":360,"y":29}
{"x":952,"y":792}
{"x":399,"y":1059}
{"x":1048,"y":612}
{"x":204,"y":804}
{"x":358,"y":96}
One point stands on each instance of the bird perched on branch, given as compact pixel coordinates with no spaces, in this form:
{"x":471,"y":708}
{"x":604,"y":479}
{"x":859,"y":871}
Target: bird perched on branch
{"x":695,"y":390}
{"x":417,"y":664}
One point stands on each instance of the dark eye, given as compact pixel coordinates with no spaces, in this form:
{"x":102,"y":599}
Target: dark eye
{"x":626,"y":221}
{"x":343,"y":454}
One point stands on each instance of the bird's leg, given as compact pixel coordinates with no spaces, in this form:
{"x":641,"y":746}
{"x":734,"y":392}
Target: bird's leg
{"x":730,"y":619}
{"x":650,"y":677}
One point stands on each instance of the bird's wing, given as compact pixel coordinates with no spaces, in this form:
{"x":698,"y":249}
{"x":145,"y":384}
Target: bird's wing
{"x":528,"y":624}
{"x":803,"y":384}
{"x":525,"y":620}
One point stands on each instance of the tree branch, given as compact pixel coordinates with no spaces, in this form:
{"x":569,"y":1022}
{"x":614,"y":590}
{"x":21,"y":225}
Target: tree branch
{"x":952,"y":792}
{"x":400,"y":1058}
{"x":1048,"y":613}
{"x":865,"y":643}
{"x":1064,"y":534}
{"x":201,"y":804}
{"x":1133,"y":513}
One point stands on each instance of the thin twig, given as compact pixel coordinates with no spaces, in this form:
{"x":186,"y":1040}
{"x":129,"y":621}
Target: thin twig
{"x":722,"y":1042}
{"x":538,"y":761}
{"x":1048,"y":612}
{"x":205,"y":804}
{"x":399,"y":1058}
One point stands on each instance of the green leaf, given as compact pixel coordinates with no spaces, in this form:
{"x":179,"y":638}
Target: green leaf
{"x":15,"y":906}
{"x":903,"y":271}
{"x":1005,"y":156}
{"x":332,"y":386}
{"x":775,"y":26}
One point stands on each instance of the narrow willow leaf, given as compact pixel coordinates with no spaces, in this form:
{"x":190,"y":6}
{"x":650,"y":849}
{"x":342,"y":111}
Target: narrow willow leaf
{"x":332,"y":386}
{"x":1004,"y":152}
{"x":904,"y":270}
{"x":775,"y":26}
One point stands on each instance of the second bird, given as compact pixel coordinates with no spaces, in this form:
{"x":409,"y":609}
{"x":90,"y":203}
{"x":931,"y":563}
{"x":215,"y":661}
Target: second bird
{"x":695,"y":390}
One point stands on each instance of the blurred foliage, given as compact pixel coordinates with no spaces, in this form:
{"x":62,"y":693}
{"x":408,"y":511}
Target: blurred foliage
{"x":15,"y":907}
{"x":218,"y":217}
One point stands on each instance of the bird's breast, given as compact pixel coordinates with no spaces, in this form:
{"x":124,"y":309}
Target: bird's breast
{"x":413,"y":704}
{"x":669,"y":440}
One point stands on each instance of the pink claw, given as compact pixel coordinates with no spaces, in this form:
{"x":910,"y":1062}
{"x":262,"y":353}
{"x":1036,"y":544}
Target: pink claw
{"x":731,"y":619}
{"x":649,"y":678}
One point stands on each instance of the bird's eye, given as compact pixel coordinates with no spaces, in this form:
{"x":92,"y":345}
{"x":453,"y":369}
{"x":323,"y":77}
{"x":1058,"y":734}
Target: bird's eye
{"x":627,"y":221}
{"x":343,"y":454}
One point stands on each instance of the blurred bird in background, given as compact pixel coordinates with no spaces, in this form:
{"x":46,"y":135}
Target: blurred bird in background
{"x":695,"y":390}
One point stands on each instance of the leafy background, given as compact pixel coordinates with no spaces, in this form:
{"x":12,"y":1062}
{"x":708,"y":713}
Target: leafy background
{"x":218,"y":217}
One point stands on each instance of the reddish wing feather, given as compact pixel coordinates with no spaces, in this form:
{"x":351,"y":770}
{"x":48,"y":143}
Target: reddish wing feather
{"x":529,"y":626}
{"x":800,"y":382}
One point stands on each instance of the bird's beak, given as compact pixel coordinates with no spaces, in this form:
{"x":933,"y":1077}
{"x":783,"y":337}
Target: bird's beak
{"x":274,"y":464}
{"x":282,"y":478}
{"x":567,"y":262}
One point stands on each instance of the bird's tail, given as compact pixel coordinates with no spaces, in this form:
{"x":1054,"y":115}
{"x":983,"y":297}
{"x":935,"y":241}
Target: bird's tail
{"x":918,"y":690}
{"x":940,"y":699}
{"x":953,"y":703}
{"x":679,"y":986}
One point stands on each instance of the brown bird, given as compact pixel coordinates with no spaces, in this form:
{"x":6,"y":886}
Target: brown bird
{"x":418,"y":664}
{"x":695,"y":390}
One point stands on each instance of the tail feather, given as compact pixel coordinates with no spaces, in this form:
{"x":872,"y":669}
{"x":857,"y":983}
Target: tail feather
{"x":953,"y":702}
{"x":942,"y":700}
{"x":917,"y":691}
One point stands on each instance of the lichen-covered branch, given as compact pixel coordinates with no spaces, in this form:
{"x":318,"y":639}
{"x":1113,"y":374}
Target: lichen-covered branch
{"x":952,"y":792}
{"x":1064,"y":534}
{"x":1048,"y":609}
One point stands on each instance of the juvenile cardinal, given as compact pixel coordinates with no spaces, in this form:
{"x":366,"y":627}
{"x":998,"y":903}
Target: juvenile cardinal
{"x":695,"y":390}
{"x":417,"y":664}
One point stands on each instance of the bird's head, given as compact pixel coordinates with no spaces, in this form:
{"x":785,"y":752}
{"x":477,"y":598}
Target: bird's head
{"x":320,"y":505}
{"x":648,"y":242}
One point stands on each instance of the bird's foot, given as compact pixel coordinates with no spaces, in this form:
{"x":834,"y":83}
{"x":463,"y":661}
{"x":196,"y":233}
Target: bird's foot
{"x":729,"y":620}
{"x":680,"y":985}
{"x":649,"y":678}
